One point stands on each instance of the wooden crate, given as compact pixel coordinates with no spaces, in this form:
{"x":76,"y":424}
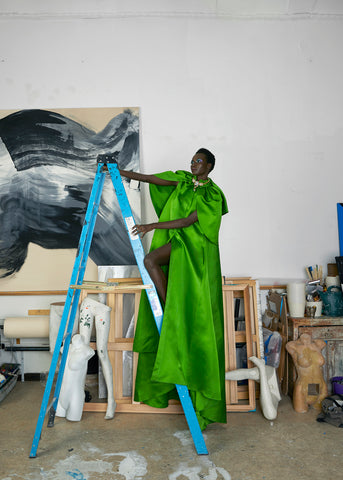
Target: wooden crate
{"x":118,"y":344}
{"x":239,"y":398}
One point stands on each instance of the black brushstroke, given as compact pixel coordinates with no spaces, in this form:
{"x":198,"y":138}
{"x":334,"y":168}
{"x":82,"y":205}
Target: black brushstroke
{"x":29,"y":209}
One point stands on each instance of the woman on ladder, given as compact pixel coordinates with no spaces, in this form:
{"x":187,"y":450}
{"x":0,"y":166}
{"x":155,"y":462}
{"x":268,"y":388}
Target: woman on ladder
{"x":184,"y":265}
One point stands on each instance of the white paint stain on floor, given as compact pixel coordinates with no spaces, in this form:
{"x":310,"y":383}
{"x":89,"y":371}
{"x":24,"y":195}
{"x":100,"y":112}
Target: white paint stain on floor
{"x":133,"y":467}
{"x":128,"y":465}
{"x":205,"y":468}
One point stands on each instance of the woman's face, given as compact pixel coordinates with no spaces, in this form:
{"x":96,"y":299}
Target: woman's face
{"x":199,"y":165}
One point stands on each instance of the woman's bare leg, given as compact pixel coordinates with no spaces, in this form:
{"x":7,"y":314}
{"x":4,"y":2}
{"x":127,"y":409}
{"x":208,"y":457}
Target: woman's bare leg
{"x":153,"y":262}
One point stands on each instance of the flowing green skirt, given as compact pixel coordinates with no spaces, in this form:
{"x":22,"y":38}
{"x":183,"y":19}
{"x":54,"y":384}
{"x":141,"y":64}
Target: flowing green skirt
{"x":190,"y":349}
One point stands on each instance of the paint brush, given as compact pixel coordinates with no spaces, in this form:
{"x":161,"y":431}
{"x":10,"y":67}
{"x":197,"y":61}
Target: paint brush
{"x":308,"y":273}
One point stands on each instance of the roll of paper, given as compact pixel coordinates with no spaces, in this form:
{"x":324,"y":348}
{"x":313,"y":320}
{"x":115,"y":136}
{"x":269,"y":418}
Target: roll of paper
{"x":26,"y":327}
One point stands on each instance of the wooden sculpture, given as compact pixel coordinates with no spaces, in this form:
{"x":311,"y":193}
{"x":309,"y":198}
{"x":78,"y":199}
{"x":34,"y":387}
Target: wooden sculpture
{"x":310,"y":387}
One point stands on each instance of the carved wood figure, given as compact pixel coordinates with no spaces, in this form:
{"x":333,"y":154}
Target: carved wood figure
{"x":310,"y":387}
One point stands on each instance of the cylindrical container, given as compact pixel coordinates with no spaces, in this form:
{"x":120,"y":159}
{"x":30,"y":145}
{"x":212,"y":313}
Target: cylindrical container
{"x":332,"y":269}
{"x":337,"y":385}
{"x":318,"y":305}
{"x":296,"y":299}
{"x":332,"y":281}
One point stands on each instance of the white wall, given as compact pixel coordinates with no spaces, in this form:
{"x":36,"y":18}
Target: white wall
{"x":263,"y":92}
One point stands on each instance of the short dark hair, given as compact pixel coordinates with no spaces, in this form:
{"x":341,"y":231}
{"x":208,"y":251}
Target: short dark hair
{"x":209,"y":156}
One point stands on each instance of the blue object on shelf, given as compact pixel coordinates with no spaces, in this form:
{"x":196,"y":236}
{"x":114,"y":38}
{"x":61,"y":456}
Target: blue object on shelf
{"x":340,"y":226}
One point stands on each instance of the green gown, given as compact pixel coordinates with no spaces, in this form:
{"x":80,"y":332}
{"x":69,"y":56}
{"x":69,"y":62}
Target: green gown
{"x":190,"y":349}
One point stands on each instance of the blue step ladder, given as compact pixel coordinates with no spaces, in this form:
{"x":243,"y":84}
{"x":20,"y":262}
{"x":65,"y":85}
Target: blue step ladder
{"x":105,"y":163}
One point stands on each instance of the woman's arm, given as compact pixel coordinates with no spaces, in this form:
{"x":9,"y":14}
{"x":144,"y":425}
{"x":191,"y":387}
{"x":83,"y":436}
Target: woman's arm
{"x":179,"y":223}
{"x":141,"y":177}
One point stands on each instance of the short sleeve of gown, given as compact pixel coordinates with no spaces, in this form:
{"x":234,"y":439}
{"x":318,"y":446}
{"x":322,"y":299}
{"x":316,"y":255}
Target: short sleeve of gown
{"x":160,"y":194}
{"x":211,"y":205}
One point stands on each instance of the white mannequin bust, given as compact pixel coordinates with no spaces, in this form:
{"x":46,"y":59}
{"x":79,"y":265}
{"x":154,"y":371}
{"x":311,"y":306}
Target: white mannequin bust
{"x":72,"y":395}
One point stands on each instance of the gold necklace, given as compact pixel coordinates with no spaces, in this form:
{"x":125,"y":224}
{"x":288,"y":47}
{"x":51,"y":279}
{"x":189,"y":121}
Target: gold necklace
{"x":198,"y":184}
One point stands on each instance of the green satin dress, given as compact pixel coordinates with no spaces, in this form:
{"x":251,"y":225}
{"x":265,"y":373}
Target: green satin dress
{"x":190,"y":349}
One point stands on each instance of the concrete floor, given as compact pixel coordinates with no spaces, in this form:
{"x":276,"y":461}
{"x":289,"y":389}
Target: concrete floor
{"x":158,"y":447}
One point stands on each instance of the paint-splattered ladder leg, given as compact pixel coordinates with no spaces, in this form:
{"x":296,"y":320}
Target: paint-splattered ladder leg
{"x":70,"y":308}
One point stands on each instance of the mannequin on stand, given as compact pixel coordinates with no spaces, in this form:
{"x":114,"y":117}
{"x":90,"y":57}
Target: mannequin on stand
{"x":91,"y":309}
{"x":269,"y":385}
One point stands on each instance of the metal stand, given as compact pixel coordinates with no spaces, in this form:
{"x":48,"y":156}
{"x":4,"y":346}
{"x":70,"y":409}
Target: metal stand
{"x":73,"y":295}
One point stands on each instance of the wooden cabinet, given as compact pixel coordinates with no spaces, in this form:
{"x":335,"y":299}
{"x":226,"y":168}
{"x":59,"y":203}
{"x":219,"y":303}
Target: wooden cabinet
{"x":329,"y":329}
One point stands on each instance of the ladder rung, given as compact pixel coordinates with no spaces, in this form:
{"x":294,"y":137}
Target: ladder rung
{"x":111,"y":288}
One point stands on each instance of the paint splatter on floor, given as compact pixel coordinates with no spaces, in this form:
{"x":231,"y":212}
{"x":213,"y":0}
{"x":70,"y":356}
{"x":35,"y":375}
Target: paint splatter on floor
{"x":205,"y":468}
{"x":77,"y":475}
{"x":131,"y":465}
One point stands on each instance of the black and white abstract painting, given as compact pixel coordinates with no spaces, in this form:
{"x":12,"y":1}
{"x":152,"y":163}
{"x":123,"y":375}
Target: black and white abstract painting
{"x":48,"y":162}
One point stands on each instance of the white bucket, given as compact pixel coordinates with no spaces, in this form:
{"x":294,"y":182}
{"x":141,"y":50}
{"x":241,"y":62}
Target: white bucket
{"x":296,"y":299}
